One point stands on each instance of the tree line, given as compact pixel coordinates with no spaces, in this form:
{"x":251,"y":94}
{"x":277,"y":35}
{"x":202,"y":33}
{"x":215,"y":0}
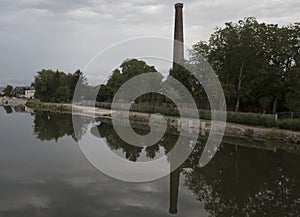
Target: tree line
{"x":57,"y":86}
{"x":258,"y":65}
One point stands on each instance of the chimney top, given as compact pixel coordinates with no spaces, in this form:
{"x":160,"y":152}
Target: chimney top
{"x":179,"y":5}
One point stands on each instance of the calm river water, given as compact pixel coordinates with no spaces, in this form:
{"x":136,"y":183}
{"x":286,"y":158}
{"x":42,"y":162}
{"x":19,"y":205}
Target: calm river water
{"x":44,"y":173}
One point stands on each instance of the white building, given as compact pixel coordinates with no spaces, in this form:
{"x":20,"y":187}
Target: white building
{"x":29,"y":94}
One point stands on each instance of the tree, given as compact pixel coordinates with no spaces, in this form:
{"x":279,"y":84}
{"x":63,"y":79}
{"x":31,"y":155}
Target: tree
{"x":53,"y":126}
{"x":244,"y":182}
{"x":183,"y":76}
{"x":254,"y":62}
{"x":8,"y":90}
{"x":293,"y":95}
{"x":76,"y":80}
{"x":56,"y":86}
{"x":105,"y":94}
{"x":127,"y":70}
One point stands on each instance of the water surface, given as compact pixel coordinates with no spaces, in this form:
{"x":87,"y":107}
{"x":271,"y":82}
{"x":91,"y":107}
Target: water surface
{"x":44,"y":173}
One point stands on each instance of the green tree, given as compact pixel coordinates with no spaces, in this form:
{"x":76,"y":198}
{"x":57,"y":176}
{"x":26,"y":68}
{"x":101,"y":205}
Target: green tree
{"x":56,"y":86}
{"x":254,"y":62}
{"x":8,"y":90}
{"x":293,"y":95}
{"x":105,"y":94}
{"x":127,"y":70}
{"x":76,"y":80}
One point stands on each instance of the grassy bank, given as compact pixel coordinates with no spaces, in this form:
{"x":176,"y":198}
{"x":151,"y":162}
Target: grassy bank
{"x":263,"y":121}
{"x":250,"y":119}
{"x":52,"y":107}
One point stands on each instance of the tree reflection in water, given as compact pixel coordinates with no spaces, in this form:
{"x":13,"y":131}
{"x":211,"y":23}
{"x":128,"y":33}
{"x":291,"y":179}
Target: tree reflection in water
{"x":133,"y":153}
{"x":8,"y":109}
{"x":239,"y":181}
{"x":247,"y":182}
{"x":52,"y":126}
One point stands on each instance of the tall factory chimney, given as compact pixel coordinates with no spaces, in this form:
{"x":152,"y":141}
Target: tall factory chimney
{"x":178,"y":58}
{"x":174,"y":189}
{"x":178,"y":52}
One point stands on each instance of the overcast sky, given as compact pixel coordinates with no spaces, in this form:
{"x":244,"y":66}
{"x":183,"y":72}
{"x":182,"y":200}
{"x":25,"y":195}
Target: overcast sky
{"x":66,"y":34}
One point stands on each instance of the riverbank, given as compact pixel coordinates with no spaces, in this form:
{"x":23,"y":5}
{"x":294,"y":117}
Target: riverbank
{"x":292,"y":138}
{"x":52,"y":107}
{"x":7,"y":101}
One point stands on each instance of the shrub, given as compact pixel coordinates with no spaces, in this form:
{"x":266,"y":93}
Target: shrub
{"x":251,"y":119}
{"x":291,"y":124}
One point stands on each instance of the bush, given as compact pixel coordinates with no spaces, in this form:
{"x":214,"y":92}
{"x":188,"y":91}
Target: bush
{"x":203,"y":114}
{"x":251,"y":119}
{"x":291,"y":124}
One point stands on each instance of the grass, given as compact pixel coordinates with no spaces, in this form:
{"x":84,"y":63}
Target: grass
{"x":52,"y":107}
{"x":242,"y":118}
{"x":291,"y":124}
{"x":239,"y":118}
{"x":276,"y":133}
{"x":252,"y":119}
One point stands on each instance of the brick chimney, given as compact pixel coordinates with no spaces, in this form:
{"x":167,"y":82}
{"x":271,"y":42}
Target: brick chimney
{"x":178,"y":52}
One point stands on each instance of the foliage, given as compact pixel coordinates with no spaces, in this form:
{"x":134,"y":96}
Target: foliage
{"x":245,"y":182}
{"x":257,"y":64}
{"x":50,"y":125}
{"x":251,"y":119}
{"x":185,"y":77}
{"x":133,"y":153}
{"x":127,"y":70}
{"x":8,"y":90}
{"x":8,"y":109}
{"x":292,"y":124}
{"x":57,"y":86}
{"x":293,"y":95}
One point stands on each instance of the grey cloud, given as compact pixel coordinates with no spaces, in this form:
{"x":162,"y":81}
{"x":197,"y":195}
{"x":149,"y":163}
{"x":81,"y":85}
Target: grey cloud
{"x":65,"y":35}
